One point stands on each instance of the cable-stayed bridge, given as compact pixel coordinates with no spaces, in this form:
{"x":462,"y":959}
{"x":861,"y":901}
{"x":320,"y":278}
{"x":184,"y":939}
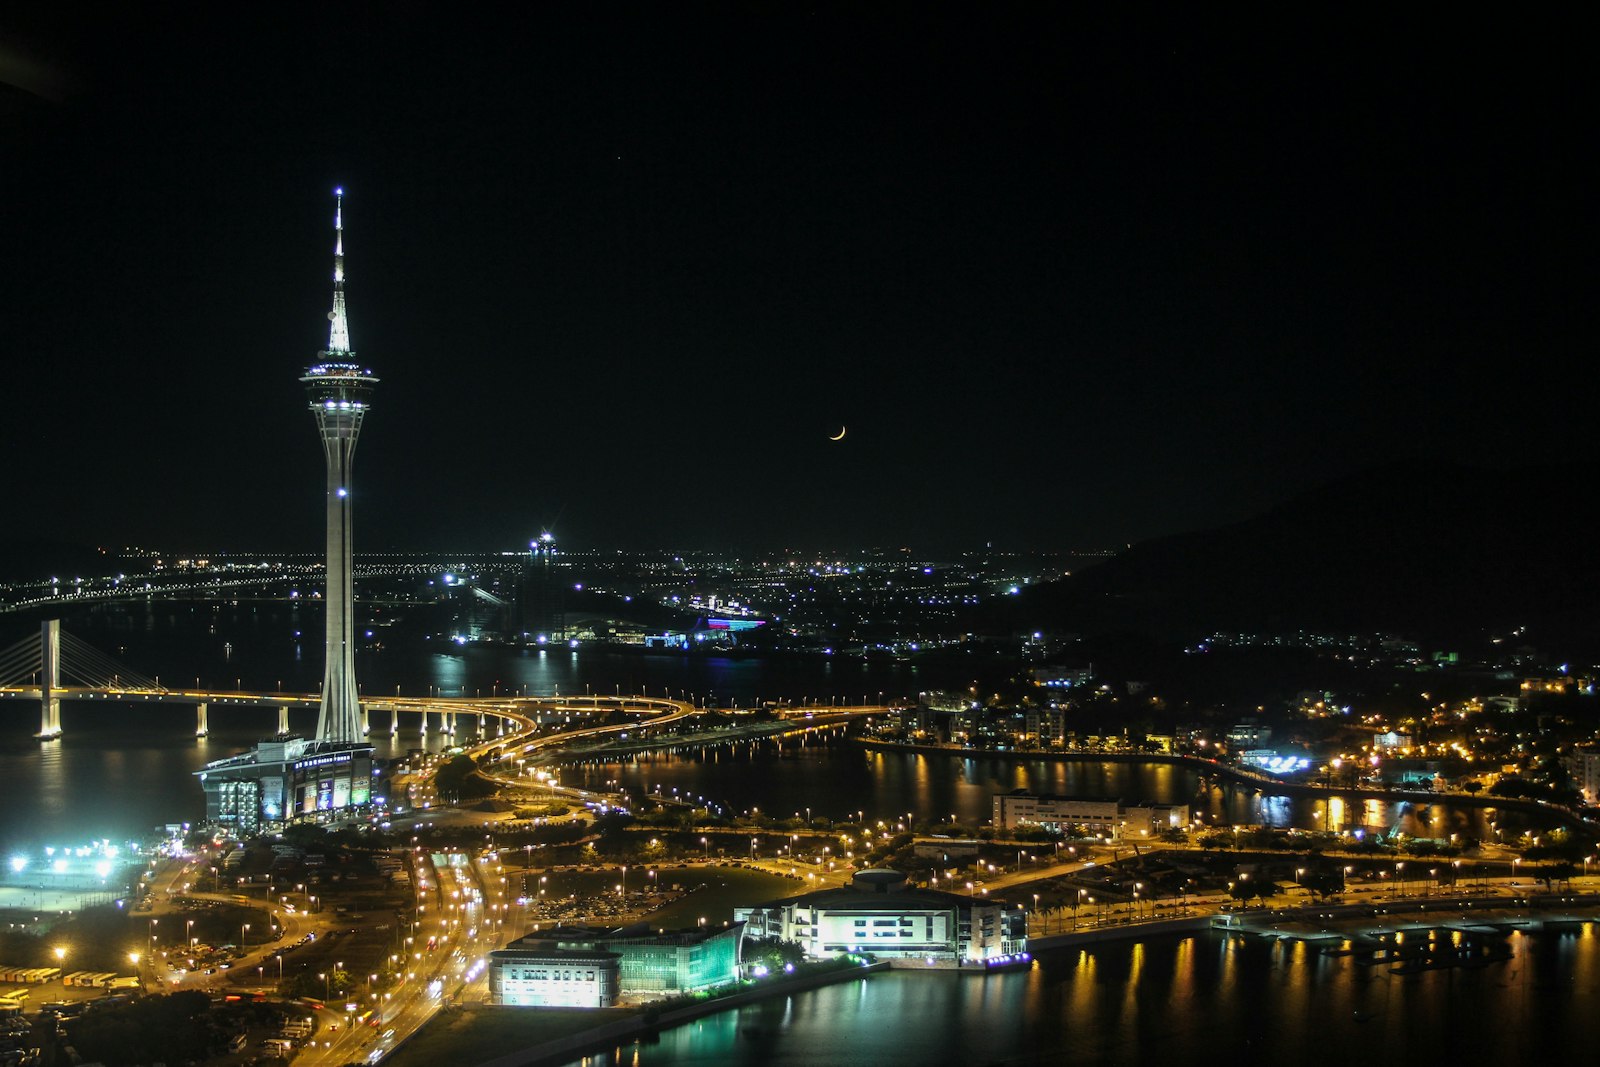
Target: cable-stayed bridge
{"x":55,"y":666}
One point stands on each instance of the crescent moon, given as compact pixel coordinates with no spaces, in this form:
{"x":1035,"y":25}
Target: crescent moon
{"x":840,"y":437}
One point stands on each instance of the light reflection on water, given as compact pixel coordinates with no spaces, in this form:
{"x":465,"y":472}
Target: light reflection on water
{"x":836,"y":778}
{"x":121,"y":770}
{"x":1201,"y":998}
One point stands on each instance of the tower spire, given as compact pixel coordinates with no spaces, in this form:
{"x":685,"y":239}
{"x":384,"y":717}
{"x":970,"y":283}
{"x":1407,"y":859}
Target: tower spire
{"x":339,"y":323}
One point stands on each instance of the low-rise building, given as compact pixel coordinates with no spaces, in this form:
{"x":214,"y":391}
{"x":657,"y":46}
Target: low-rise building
{"x":592,"y":967}
{"x":880,"y":914}
{"x":1098,"y":817}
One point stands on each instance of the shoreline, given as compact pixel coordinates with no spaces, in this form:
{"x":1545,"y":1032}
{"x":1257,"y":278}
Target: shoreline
{"x":645,"y":1023}
{"x":1352,"y":920}
{"x":1357,"y":923}
{"x":1263,"y":784}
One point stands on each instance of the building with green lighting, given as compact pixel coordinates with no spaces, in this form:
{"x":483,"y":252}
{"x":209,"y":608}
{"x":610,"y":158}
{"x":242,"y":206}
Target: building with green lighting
{"x":582,"y":966}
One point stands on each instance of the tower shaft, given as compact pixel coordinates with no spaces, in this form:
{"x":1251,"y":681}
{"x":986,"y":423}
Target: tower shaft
{"x":340,"y":718}
{"x":339,"y":390}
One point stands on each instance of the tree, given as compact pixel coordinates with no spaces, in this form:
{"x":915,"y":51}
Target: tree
{"x":1552,"y":873}
{"x":1325,"y":882}
{"x":773,"y":953}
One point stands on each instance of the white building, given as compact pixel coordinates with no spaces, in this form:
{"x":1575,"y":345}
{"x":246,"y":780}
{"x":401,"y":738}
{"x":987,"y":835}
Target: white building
{"x":1107,"y":818}
{"x":1583,"y":765}
{"x":881,"y":915}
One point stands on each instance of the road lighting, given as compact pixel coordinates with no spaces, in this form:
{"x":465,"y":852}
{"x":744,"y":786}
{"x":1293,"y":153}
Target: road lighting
{"x":244,"y":929}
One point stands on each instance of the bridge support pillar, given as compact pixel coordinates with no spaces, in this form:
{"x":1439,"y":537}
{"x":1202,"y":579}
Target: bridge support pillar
{"x":450,"y":723}
{"x":200,"y":727}
{"x":394,"y":720}
{"x":424,"y":722}
{"x":283,"y":720}
{"x":366,"y":722}
{"x":50,"y":680}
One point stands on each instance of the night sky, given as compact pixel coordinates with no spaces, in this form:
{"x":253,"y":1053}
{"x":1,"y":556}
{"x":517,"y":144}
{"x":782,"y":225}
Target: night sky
{"x":622,"y":270}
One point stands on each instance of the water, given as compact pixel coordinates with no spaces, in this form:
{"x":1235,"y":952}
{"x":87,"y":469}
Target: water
{"x":1201,"y":998}
{"x":122,"y":769}
{"x":269,"y":645}
{"x":837,"y":779}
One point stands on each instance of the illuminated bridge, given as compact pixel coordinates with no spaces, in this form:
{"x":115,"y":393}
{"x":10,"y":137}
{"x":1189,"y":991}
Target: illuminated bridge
{"x":55,"y":666}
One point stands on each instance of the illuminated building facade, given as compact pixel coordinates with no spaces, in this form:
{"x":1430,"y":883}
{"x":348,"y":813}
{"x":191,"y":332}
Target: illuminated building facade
{"x":1108,"y":818}
{"x":541,"y":613}
{"x":589,"y":967}
{"x":881,"y":915}
{"x":286,"y":779}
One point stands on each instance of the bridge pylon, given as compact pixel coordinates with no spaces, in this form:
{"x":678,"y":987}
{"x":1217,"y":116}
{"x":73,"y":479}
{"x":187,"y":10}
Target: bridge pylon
{"x":200,"y":727}
{"x":56,"y":656}
{"x":50,"y":680}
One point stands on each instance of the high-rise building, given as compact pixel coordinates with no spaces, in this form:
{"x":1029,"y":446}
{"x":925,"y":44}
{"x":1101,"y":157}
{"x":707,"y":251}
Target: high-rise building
{"x":541,"y":615}
{"x":340,"y":390}
{"x":290,"y":778}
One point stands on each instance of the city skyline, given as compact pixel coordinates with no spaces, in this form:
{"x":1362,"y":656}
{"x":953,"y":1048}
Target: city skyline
{"x":1068,"y":284}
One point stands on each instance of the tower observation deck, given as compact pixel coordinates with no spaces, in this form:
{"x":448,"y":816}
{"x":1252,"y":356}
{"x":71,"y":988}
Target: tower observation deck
{"x":340,"y":391}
